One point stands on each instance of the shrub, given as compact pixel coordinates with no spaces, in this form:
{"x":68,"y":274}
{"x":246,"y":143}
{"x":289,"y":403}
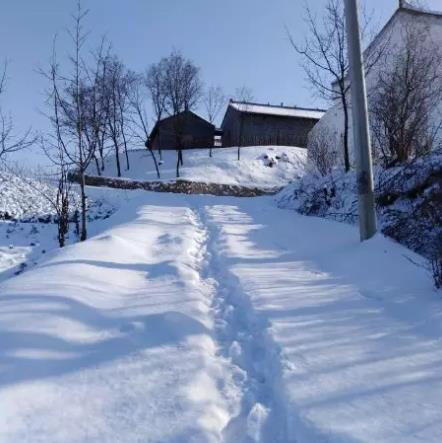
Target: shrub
{"x":321,"y":154}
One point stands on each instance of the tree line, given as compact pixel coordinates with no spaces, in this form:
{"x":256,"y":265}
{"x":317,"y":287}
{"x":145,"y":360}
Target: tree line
{"x":97,"y":108}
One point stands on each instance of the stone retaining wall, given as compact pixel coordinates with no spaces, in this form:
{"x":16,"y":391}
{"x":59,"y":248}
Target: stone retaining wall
{"x":179,"y":186}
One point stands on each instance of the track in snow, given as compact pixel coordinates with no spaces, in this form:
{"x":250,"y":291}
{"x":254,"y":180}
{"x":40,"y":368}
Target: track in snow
{"x":243,"y":341}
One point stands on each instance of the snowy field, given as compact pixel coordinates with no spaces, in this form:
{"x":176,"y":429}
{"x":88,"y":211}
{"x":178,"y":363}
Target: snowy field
{"x":213,"y":319}
{"x":22,"y":245}
{"x":262,"y":166}
{"x":27,"y":227}
{"x":27,"y":218}
{"x":24,"y":198}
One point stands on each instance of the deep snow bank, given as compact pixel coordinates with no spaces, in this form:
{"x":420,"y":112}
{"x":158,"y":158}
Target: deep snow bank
{"x":27,"y":199}
{"x":408,"y":200}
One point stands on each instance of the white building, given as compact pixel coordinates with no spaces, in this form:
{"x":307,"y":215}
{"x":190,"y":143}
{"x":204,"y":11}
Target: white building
{"x":392,"y":36}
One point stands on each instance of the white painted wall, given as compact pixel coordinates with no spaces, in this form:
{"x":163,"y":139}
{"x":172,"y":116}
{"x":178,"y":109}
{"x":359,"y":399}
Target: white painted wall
{"x":333,"y":119}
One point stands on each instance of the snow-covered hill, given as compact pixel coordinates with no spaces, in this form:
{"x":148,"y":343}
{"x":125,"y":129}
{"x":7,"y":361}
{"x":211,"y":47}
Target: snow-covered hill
{"x":28,"y":228}
{"x":24,"y":198}
{"x":262,"y":166}
{"x":27,"y":199}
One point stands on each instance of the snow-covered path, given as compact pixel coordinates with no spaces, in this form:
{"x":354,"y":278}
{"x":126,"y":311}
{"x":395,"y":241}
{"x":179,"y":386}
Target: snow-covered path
{"x":111,"y":340}
{"x":203,"y":319}
{"x":351,"y":333}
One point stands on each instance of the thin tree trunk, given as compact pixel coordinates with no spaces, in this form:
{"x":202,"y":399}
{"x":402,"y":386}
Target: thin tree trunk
{"x":178,"y":164}
{"x":62,"y":204}
{"x":125,"y":152}
{"x":155,"y":161}
{"x":97,"y":165}
{"x":101,"y":150}
{"x":346,"y":144}
{"x":83,"y":235}
{"x":117,"y":157}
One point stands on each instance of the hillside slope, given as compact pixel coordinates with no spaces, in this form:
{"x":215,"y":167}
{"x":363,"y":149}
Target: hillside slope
{"x":259,"y":166}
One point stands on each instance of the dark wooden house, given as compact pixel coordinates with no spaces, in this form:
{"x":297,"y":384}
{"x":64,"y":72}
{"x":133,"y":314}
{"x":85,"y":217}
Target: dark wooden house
{"x":185,"y":130}
{"x":255,"y":124}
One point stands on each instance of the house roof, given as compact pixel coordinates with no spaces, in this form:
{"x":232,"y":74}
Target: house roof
{"x":404,"y":9}
{"x":282,"y":111}
{"x":171,"y":117}
{"x":407,"y":9}
{"x":419,"y":10}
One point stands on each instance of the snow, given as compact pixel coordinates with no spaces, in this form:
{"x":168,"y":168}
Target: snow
{"x":27,"y":199}
{"x":408,"y":200}
{"x":223,"y":167}
{"x":28,"y":228}
{"x":99,"y":333}
{"x":23,"y":245}
{"x":283,"y":111}
{"x":215,"y":319}
{"x":357,"y":327}
{"x":24,"y":198}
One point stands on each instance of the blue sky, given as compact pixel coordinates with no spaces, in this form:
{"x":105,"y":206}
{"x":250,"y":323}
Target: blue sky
{"x":235,"y":42}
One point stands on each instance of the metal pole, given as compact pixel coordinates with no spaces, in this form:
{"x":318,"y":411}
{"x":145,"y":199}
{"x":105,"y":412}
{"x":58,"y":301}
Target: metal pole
{"x":362,"y":145}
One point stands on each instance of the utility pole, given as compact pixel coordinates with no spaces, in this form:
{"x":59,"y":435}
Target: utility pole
{"x":362,"y":146}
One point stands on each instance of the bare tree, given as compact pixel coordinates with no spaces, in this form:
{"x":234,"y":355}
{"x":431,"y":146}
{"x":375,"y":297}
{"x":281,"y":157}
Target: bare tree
{"x":321,"y":154}
{"x":182,"y":86}
{"x":10,"y":142}
{"x":102,"y":102}
{"x":124,"y":108}
{"x":96,"y":105}
{"x":175,"y":87}
{"x":244,"y":95}
{"x":61,"y":200}
{"x":70,"y":101}
{"x":155,"y":85}
{"x":140,"y":125}
{"x":407,"y":95}
{"x":214,"y":101}
{"x":119,"y":84}
{"x":325,"y":59}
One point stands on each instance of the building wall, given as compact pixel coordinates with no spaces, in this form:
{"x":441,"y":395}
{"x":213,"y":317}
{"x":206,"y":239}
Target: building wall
{"x":230,"y":127}
{"x":187,"y":130}
{"x":332,"y":123}
{"x":261,"y":129}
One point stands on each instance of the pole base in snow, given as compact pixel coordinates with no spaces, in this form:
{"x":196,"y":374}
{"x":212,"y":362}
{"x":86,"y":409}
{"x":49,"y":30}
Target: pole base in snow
{"x":367,"y":218}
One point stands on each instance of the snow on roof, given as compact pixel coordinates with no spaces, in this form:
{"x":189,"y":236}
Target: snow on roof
{"x":422,"y":10}
{"x":284,"y":111}
{"x":406,"y":9}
